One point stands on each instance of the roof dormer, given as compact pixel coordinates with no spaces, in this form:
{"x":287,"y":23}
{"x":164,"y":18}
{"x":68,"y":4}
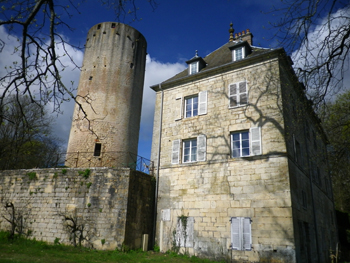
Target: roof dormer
{"x":242,"y":44}
{"x":195,"y":64}
{"x":240,"y":50}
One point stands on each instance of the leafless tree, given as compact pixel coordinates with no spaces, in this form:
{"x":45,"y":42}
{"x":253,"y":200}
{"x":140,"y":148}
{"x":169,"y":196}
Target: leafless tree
{"x":26,"y":139}
{"x":37,"y":73}
{"x":317,"y":34}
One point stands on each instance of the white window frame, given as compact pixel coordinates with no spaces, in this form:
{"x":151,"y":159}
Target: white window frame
{"x":240,"y":141}
{"x":193,"y":68}
{"x":191,"y":149}
{"x":237,"y":94}
{"x":201,"y":150}
{"x":202,"y":105}
{"x":255,"y":147}
{"x":193,"y":106}
{"x":234,"y":53}
{"x":241,"y":233}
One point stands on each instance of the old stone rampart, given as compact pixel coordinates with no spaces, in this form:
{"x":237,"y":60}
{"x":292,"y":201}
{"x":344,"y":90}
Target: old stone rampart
{"x":99,"y":199}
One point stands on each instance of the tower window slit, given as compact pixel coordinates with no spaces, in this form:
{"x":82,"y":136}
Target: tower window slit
{"x":97,"y":151}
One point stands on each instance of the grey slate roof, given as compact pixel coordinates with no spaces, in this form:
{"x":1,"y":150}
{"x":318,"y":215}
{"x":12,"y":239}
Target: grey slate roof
{"x":221,"y":56}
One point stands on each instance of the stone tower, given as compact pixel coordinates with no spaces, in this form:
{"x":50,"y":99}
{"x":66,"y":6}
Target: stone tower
{"x":110,"y":92}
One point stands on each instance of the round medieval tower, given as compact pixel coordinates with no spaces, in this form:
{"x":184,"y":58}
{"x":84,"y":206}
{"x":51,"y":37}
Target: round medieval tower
{"x":105,"y":129}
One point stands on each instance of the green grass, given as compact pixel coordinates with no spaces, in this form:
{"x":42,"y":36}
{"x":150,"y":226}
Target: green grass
{"x":29,"y":251}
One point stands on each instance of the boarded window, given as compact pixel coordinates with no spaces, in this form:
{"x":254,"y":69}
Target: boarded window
{"x":241,"y":236}
{"x":184,"y":231}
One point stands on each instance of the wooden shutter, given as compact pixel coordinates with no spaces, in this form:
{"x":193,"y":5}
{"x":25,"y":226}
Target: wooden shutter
{"x":175,"y":153}
{"x":232,"y":93}
{"x":201,"y":147}
{"x":247,"y":237}
{"x":235,"y":233}
{"x":178,"y":108}
{"x":243,"y":94}
{"x":241,"y":233}
{"x":202,"y":102}
{"x":255,"y":141}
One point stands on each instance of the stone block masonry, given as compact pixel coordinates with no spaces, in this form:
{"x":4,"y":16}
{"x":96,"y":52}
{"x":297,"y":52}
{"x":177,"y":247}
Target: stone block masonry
{"x":101,"y":199}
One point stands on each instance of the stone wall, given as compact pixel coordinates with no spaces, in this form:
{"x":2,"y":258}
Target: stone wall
{"x":101,"y":199}
{"x":210,"y":193}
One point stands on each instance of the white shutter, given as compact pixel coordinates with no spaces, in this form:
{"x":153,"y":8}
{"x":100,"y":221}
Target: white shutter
{"x":201,"y":147}
{"x":232,"y":94}
{"x":243,"y":94}
{"x":175,"y":153}
{"x":247,"y":237}
{"x":202,"y":102}
{"x":235,"y":233}
{"x":255,"y":141}
{"x":178,"y":109}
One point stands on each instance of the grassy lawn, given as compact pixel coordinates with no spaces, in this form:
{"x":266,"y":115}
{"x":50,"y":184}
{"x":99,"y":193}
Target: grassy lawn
{"x":29,"y":251}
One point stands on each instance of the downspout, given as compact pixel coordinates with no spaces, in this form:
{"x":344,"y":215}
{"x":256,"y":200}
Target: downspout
{"x":158,"y":165}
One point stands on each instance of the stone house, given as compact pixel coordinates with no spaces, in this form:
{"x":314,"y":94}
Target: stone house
{"x":240,"y":159}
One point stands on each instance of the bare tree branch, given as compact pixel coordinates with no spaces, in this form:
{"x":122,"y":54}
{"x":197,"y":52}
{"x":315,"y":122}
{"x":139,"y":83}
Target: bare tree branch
{"x":38,"y":71}
{"x":317,"y":35}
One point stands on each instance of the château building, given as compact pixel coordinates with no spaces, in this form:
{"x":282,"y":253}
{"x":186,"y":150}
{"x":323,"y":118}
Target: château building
{"x":240,"y":159}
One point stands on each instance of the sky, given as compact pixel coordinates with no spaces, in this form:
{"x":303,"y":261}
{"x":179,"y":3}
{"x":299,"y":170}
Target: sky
{"x":174,"y":30}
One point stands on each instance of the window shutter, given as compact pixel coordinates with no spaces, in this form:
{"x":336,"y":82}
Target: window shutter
{"x":202,"y":102}
{"x":178,"y":109}
{"x":247,"y":242}
{"x":235,"y":233}
{"x":243,"y":98}
{"x":201,"y":147}
{"x":232,"y":93}
{"x":255,"y":141}
{"x":175,"y":153}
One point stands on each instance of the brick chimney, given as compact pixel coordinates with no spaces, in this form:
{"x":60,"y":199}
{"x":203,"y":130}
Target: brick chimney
{"x":244,"y":36}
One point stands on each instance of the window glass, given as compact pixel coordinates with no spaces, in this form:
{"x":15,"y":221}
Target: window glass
{"x":190,"y":150}
{"x":194,"y":68}
{"x":238,"y":53}
{"x":191,"y":106}
{"x":240,"y":144}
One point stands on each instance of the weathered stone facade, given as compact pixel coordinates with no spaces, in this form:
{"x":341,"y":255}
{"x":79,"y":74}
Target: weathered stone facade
{"x":288,"y":214}
{"x":114,"y":205}
{"x":110,"y":92}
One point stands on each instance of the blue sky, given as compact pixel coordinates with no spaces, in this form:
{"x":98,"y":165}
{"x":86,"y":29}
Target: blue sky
{"x":174,"y":31}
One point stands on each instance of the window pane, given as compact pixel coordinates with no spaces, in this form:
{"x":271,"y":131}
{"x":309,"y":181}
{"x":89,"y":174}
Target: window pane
{"x":240,"y":144}
{"x":238,"y":54}
{"x":235,"y":136}
{"x":191,"y":106}
{"x":245,"y":135}
{"x":190,"y":150}
{"x":245,"y":151}
{"x":235,"y":153}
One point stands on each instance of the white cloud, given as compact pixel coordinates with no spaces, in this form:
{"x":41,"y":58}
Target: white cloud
{"x":325,"y":37}
{"x":156,"y":72}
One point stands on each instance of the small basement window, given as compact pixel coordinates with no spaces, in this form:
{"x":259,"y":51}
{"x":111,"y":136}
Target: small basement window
{"x":97,"y":151}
